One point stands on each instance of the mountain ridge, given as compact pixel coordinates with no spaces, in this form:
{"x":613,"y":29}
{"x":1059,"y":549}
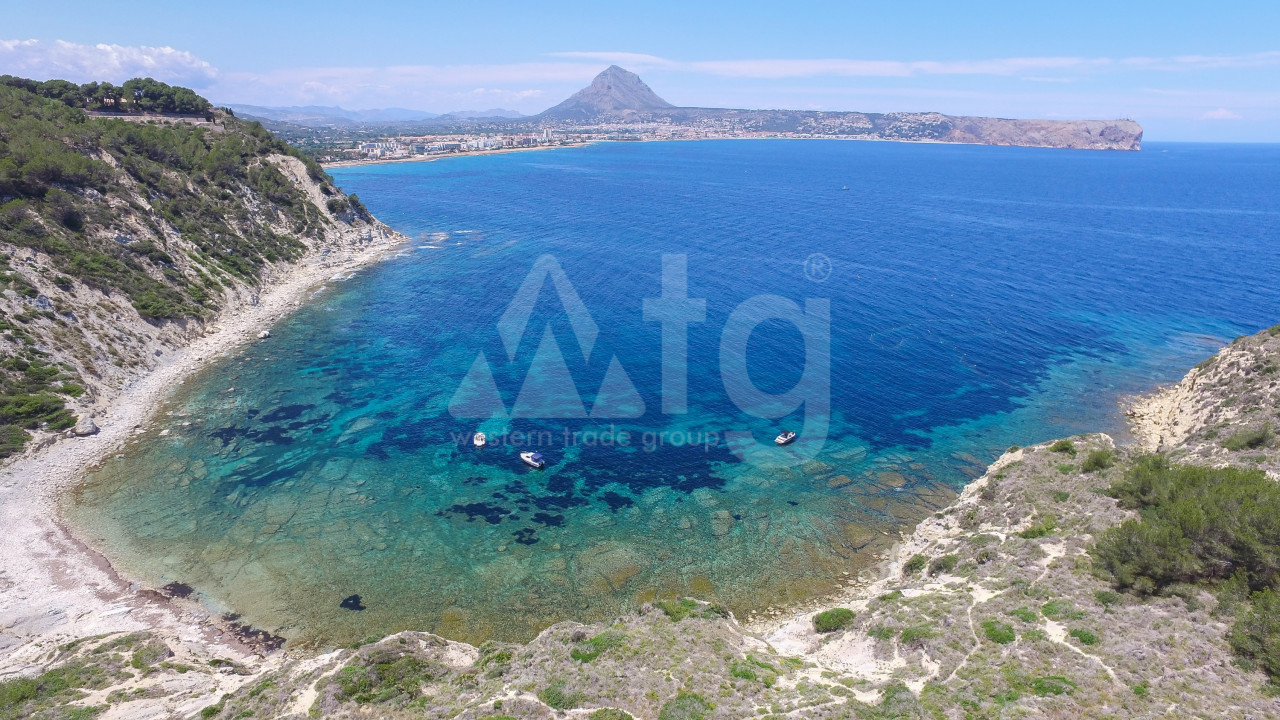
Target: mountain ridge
{"x":619,"y":98}
{"x":614,"y":90}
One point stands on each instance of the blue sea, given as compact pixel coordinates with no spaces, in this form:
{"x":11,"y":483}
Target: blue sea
{"x":909,"y":310}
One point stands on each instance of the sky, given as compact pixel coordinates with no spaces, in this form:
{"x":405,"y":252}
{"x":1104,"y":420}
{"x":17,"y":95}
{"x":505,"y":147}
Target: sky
{"x":1185,"y":71}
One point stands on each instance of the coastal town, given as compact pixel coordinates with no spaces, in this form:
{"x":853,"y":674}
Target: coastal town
{"x":403,"y":147}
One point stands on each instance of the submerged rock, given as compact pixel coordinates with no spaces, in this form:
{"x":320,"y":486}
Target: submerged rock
{"x":839,"y":481}
{"x":722,"y":521}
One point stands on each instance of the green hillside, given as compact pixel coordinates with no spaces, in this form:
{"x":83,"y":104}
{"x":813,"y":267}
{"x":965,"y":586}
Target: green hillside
{"x":164,"y":214}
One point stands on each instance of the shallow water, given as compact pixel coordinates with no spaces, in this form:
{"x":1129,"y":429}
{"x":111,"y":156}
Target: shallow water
{"x":979,"y":297}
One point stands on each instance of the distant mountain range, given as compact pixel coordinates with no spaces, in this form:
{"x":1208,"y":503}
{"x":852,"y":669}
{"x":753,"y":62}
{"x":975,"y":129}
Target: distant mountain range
{"x":327,"y":115}
{"x":618,"y":97}
{"x":618,"y":104}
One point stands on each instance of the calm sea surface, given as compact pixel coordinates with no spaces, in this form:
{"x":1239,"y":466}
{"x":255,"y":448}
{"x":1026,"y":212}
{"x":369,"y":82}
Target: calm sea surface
{"x":979,"y":297}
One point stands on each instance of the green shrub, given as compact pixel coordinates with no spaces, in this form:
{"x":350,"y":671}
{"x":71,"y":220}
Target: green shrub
{"x":58,"y":685}
{"x":1025,"y":614}
{"x":608,"y":714}
{"x":1255,"y":634}
{"x":1064,"y":446}
{"x":946,"y":563}
{"x":555,"y":696}
{"x":998,"y":632}
{"x":1197,"y":524}
{"x":882,"y":632}
{"x":1060,"y":609}
{"x":1061,"y":496}
{"x":915,"y":634}
{"x":1066,"y":468}
{"x":686,"y":706}
{"x":743,"y":671}
{"x":890,"y":596}
{"x":1098,"y":460}
{"x":1044,"y":528}
{"x":1106,"y":598}
{"x":593,"y":648}
{"x":1085,"y":636}
{"x":679,"y":609}
{"x":380,"y":676}
{"x":1141,"y":689}
{"x":914,"y":564}
{"x":1250,"y":439}
{"x":1051,"y":685}
{"x":12,"y":438}
{"x":832,"y":620}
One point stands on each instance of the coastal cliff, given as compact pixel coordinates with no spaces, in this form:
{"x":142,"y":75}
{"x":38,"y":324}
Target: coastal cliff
{"x":125,"y":237}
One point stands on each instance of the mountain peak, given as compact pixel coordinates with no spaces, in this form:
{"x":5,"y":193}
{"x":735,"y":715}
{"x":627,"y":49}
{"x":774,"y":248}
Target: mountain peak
{"x":615,"y":91}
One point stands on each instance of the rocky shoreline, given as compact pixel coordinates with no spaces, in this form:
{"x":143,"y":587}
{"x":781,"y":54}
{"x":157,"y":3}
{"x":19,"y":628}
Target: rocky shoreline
{"x":992,"y":592}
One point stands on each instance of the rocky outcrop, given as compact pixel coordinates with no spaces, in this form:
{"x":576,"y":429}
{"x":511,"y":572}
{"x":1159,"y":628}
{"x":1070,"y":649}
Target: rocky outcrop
{"x":613,"y":92}
{"x":85,"y":427}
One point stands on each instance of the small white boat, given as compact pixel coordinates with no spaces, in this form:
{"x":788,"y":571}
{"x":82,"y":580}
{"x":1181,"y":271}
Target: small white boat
{"x":533,"y":459}
{"x":785,"y":437}
{"x":479,"y":440}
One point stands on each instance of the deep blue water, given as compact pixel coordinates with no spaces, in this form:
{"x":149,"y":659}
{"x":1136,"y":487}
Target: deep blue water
{"x":979,"y":297}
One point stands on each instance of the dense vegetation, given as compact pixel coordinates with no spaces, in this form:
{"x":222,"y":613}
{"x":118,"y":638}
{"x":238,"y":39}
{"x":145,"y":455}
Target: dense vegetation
{"x":832,"y":620}
{"x":161,"y":215}
{"x":139,"y":95}
{"x":1198,"y":524}
{"x":1211,"y":527}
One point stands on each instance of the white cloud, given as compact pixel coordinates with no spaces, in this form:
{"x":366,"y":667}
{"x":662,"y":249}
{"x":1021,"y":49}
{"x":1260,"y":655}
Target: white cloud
{"x":1220,"y":114}
{"x":437,"y":87}
{"x":629,"y":59}
{"x":114,"y":63}
{"x":1041,"y":88}
{"x":1211,"y":62}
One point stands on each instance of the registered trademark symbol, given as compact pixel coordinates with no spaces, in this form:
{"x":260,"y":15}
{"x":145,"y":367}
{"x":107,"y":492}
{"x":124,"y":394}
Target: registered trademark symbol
{"x":817,"y":267}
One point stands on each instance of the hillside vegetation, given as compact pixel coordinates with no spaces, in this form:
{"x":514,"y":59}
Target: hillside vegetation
{"x":120,"y":238}
{"x":139,"y":95}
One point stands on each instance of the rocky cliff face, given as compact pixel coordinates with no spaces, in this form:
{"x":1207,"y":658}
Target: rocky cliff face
{"x":120,"y":241}
{"x":1076,"y":135}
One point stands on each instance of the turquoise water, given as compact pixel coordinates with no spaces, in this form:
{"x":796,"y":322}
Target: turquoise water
{"x":979,"y":297}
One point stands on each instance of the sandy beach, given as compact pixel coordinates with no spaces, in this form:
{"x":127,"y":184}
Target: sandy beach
{"x":431,"y":158}
{"x":53,"y":586}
